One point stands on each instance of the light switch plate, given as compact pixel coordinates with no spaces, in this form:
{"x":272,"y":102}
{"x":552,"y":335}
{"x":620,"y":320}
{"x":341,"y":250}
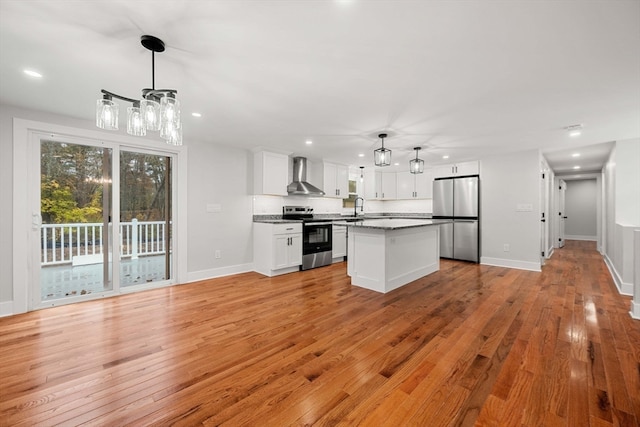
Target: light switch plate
{"x":214,"y":207}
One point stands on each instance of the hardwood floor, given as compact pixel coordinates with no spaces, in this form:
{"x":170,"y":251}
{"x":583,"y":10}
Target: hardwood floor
{"x":469,"y":345}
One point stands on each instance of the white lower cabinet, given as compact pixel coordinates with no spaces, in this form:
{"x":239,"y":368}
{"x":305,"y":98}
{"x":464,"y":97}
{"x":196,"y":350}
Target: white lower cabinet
{"x":339,"y":243}
{"x":277,"y":248}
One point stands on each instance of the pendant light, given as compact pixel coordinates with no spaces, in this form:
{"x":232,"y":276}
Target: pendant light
{"x":361,"y":173}
{"x":158,"y":110}
{"x":382,"y":156}
{"x":416,"y":165}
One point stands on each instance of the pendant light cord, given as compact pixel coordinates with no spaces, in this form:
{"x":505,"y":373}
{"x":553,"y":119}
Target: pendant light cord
{"x":153,"y":70}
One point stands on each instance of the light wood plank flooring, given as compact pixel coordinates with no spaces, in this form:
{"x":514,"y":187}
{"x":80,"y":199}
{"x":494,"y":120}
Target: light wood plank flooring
{"x":469,"y":345}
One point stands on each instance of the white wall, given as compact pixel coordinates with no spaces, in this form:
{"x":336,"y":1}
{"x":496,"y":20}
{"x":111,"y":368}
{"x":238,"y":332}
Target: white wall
{"x":220,"y":178}
{"x":506,"y":182}
{"x":580,"y":208}
{"x":627,"y":186}
{"x":622,"y":212}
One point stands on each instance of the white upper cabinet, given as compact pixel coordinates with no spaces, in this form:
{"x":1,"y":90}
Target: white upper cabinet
{"x":372,"y":185}
{"x":271,"y":173}
{"x":406,"y":182}
{"x":379,"y":186}
{"x":335,"y":180}
{"x":414,"y":186}
{"x":389,"y":186}
{"x":458,"y":169}
{"x":424,"y":184}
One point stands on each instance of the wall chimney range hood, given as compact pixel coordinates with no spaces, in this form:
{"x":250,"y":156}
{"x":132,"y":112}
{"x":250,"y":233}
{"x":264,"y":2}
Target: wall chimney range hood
{"x":300,"y":186}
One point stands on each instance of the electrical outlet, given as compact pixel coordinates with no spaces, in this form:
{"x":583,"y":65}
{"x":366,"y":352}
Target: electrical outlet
{"x":218,"y":254}
{"x":506,"y":247}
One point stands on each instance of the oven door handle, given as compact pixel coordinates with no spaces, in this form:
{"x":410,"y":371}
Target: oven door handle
{"x":317,"y":223}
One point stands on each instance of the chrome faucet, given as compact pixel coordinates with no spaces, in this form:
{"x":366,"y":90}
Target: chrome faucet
{"x":355,"y":205}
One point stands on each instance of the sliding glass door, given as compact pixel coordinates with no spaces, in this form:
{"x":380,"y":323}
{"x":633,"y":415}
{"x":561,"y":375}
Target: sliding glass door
{"x":84,"y":249}
{"x":75,"y":232}
{"x":145,"y":218}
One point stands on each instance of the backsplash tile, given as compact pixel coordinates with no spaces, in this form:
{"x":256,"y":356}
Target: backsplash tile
{"x":272,"y":205}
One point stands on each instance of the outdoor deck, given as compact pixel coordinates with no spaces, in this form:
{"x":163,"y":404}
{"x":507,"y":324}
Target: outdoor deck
{"x":71,"y":257}
{"x":60,"y":281}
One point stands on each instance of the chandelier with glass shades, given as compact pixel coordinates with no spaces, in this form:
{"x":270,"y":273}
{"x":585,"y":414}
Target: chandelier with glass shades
{"x":157,"y":110}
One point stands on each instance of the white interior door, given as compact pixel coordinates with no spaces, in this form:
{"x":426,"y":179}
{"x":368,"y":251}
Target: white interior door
{"x":562,"y":217}
{"x":544,"y":221}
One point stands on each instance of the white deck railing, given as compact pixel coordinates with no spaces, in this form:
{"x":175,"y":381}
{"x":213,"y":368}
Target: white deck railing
{"x":62,"y":242}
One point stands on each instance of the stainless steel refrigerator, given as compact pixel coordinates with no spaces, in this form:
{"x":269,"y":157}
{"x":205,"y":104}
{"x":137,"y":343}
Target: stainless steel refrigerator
{"x":457,"y":199}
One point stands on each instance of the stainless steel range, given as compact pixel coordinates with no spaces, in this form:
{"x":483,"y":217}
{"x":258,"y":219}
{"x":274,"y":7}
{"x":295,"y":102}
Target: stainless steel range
{"x":316,"y":236}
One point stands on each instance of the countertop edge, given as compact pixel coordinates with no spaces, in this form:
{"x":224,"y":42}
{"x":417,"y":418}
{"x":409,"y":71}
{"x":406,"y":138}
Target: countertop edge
{"x":375,"y":224}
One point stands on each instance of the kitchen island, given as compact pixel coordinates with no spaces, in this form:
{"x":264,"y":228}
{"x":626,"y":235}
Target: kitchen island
{"x":385,"y":254}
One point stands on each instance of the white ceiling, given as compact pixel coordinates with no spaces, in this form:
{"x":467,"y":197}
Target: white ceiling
{"x":463,"y":78}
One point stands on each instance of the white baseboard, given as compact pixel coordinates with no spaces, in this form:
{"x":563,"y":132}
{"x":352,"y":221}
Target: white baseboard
{"x":635,"y":310}
{"x":510,"y":263}
{"x":623,"y":288}
{"x":6,"y":308}
{"x":589,"y":238}
{"x":212,"y":273}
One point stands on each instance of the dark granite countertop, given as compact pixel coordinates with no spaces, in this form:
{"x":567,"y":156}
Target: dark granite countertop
{"x":393,"y":223}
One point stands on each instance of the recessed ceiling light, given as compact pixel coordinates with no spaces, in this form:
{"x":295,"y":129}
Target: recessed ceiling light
{"x":196,"y":114}
{"x":574,"y":130}
{"x":361,"y":155}
{"x":576,"y":167}
{"x":32,"y":73}
{"x":446,"y":156}
{"x":396,"y":164}
{"x":308,"y":142}
{"x":575,"y":155}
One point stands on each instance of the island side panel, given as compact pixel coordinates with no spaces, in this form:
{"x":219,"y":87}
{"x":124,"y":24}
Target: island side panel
{"x":412,"y":253}
{"x":367,"y":259}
